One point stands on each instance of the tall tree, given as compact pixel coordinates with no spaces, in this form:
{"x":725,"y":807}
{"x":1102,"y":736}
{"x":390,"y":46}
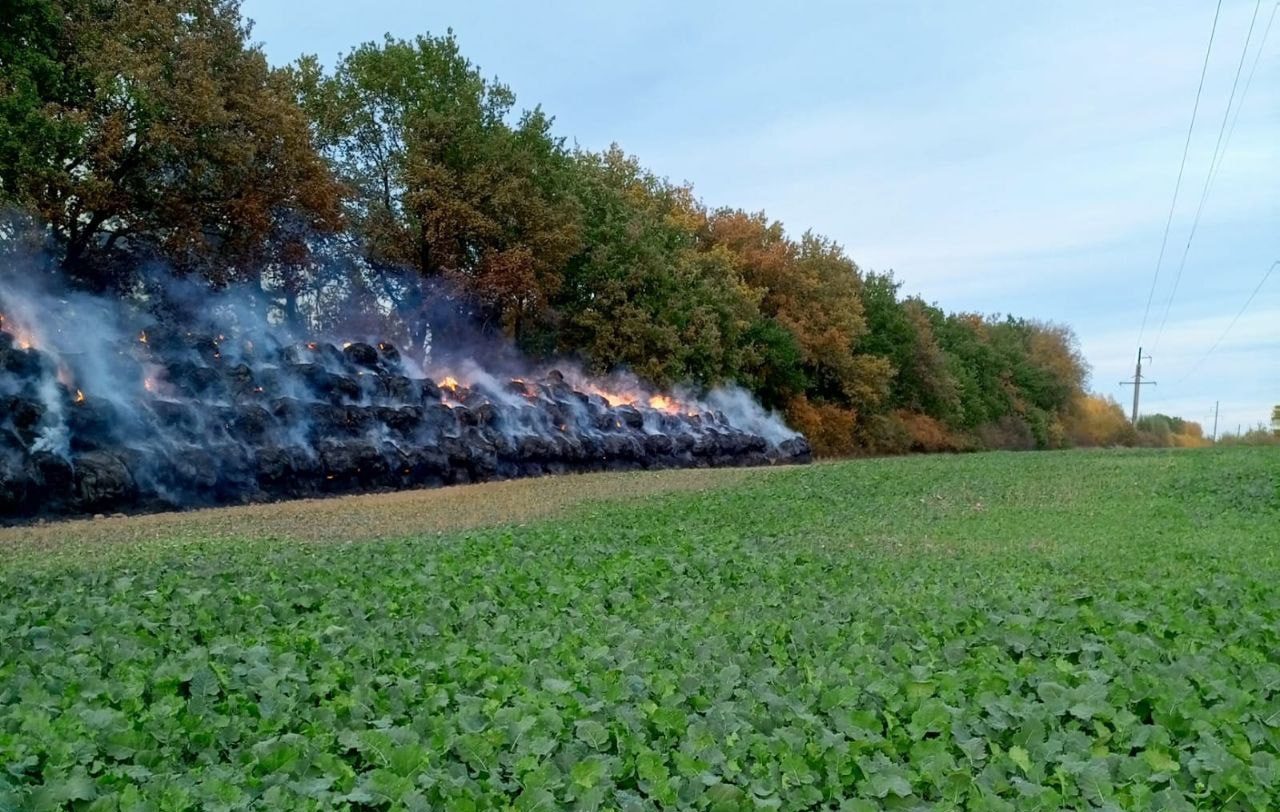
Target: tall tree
{"x":441,"y":179}
{"x":154,"y":122}
{"x":642,"y":295}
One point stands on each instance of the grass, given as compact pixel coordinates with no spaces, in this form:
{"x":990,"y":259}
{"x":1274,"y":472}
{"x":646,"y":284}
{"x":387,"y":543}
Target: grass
{"x":997,"y":631}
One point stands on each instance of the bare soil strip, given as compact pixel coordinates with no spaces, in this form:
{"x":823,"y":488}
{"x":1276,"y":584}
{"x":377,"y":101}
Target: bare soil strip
{"x":368,"y":517}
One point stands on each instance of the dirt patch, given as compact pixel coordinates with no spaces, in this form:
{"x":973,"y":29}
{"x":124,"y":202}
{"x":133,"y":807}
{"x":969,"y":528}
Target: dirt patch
{"x":371,"y":516}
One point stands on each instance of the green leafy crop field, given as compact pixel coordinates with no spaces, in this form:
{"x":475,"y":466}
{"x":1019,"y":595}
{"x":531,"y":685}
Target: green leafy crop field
{"x":1033,"y":631}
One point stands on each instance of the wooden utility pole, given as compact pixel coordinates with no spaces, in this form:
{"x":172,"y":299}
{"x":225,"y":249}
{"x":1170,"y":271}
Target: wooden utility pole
{"x":1215,"y":421}
{"x":1137,"y":383}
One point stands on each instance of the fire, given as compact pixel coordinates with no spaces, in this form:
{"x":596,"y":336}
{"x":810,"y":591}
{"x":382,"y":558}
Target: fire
{"x":79,"y":396}
{"x":142,"y":337}
{"x":149,"y":383}
{"x":450,"y":383}
{"x":612,"y":398}
{"x":664,"y":404}
{"x":22,"y":337}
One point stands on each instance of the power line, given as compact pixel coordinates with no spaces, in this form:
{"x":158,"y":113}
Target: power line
{"x":1218,"y":149}
{"x":1232,"y":325}
{"x":1257,"y":57}
{"x":1186,"y":147}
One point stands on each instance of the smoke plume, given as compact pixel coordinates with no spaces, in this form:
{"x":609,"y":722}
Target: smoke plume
{"x":177,"y":397}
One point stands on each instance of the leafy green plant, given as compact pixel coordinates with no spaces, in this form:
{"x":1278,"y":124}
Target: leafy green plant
{"x":997,"y":632}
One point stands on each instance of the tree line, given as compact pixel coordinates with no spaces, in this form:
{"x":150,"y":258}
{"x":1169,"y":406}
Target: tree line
{"x":155,"y":130}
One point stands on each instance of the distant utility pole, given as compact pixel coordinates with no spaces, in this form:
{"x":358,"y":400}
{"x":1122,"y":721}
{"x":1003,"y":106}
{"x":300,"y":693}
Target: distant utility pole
{"x":1215,"y":421}
{"x":1137,"y":383}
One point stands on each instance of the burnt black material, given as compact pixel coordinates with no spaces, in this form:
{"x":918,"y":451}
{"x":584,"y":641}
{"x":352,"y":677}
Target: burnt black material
{"x":210,"y":421}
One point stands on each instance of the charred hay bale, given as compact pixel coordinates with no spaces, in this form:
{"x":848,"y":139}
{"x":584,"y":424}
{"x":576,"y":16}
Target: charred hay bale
{"x":102,"y":481}
{"x":16,"y":485}
{"x":350,"y":464}
{"x":191,"y":471}
{"x":327,"y":419}
{"x":658,"y":444}
{"x":439,"y":419}
{"x":56,"y":479}
{"x":399,"y":388}
{"x":178,"y":417}
{"x":620,"y":447}
{"x":389,"y":356}
{"x":250,"y":424}
{"x":560,"y":413}
{"x":167,"y":341}
{"x":572,"y":448}
{"x":361,"y":355}
{"x":486,"y":414}
{"x":235,"y":468}
{"x":322,"y":352}
{"x":275,"y":467}
{"x":605,"y":420}
{"x":630,"y":417}
{"x":325,"y":385}
{"x":24,"y":415}
{"x":10,"y":442}
{"x":482,"y":455}
{"x":239,"y":381}
{"x":429,"y":391}
{"x":291,"y":412}
{"x":533,"y":448}
{"x":466,"y":416}
{"x":426,"y":461}
{"x":93,"y":423}
{"x":271,"y":382}
{"x":205,"y":347}
{"x":403,"y":420}
{"x":26,"y":364}
{"x":518,"y":386}
{"x":198,"y":382}
{"x":793,"y":450}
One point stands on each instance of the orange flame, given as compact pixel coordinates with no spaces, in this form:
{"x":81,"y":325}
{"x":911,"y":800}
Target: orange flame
{"x":612,"y":398}
{"x":24,"y":338}
{"x":664,"y":404}
{"x":79,"y":396}
{"x":450,"y":383}
{"x":142,"y":337}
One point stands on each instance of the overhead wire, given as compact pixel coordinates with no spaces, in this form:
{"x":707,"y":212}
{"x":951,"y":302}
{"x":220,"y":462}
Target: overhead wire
{"x":1186,"y":148}
{"x":1232,"y":325}
{"x":1218,"y":150}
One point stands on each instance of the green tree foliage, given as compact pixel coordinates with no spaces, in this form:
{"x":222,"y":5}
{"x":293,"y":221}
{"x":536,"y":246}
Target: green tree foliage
{"x":641,"y":294}
{"x":440,"y":178}
{"x":154,"y":122}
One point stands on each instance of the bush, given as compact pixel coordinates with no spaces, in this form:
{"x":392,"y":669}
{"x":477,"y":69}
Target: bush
{"x":832,"y":430}
{"x":926,"y":434}
{"x":1009,"y":433}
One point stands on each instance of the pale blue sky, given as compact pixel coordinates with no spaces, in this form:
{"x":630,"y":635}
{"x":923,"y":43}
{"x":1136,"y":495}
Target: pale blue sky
{"x":1014,"y":157}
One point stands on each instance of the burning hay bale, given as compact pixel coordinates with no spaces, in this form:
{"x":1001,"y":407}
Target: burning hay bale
{"x":186,"y":419}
